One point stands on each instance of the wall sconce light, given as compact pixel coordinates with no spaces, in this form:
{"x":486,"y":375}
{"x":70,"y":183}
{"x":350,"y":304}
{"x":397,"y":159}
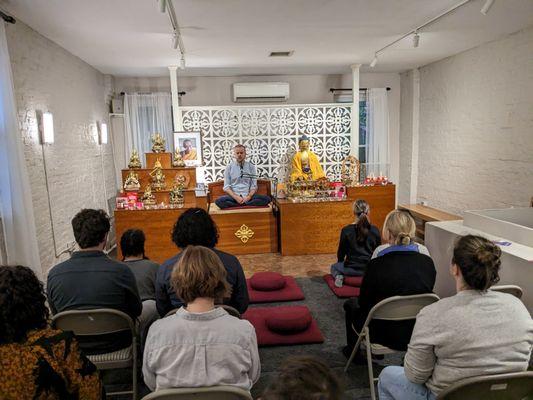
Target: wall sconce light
{"x":103,"y":133}
{"x":47,"y":128}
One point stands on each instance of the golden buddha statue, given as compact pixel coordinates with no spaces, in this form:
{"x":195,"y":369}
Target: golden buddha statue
{"x":158,"y":143}
{"x":176,"y":195}
{"x":158,"y":177}
{"x":131,"y":184}
{"x":350,"y":171}
{"x":305,"y":164}
{"x":177,"y":159}
{"x":148,"y":197}
{"x":135,"y":161}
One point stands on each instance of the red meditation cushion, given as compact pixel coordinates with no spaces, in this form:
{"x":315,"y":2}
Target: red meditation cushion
{"x":289,"y":320}
{"x":267,"y":281}
{"x":353,"y":280}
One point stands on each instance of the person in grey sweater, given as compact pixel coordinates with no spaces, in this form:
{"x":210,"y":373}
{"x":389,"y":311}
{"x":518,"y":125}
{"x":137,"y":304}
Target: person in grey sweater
{"x":200,"y":345}
{"x":476,"y":332}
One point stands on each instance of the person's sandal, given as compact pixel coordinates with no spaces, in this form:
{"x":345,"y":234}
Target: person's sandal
{"x":339,"y":280}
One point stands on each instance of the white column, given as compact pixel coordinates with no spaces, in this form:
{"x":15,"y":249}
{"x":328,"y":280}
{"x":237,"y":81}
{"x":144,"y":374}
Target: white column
{"x":354,"y":140}
{"x":176,"y":113}
{"x":413,"y":190}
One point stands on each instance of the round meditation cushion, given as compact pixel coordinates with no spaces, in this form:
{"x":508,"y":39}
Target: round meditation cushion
{"x":267,"y":281}
{"x":353,"y":280}
{"x":289,"y":320}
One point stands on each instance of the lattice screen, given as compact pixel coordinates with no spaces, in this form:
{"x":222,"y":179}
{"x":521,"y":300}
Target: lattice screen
{"x":270,"y":134}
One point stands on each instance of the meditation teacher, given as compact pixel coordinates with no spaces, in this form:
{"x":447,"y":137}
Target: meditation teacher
{"x":240,"y":188}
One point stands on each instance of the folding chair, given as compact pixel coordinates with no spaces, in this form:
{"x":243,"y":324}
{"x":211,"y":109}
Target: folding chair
{"x":514,"y":386}
{"x":100,"y":322}
{"x":511,"y":289}
{"x":396,"y":308}
{"x":201,"y":393}
{"x":231,"y":311}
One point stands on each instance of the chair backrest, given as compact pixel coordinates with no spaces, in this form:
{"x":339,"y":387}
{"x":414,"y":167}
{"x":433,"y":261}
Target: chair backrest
{"x":400,"y":308}
{"x":230,"y":310}
{"x":514,"y":386}
{"x":201,"y":393}
{"x":216,"y":189}
{"x":171,"y":312}
{"x":511,"y":289}
{"x":94,"y":322}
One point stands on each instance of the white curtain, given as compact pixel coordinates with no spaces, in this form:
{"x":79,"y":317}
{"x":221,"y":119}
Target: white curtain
{"x":377,"y":156}
{"x":16,"y":207}
{"x":144,"y":115}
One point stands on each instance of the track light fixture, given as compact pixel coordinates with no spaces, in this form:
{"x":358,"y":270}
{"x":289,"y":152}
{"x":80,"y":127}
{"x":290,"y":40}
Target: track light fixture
{"x":487,"y":6}
{"x":182,"y":61}
{"x":416,"y":39}
{"x":374,"y":61}
{"x":175,"y":40}
{"x":162,"y":5}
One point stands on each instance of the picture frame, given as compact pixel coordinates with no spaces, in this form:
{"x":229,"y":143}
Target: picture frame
{"x":189,"y":144}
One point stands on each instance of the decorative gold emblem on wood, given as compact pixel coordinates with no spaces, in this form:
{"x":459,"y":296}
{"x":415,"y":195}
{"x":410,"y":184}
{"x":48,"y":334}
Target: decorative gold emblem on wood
{"x":244,"y":233}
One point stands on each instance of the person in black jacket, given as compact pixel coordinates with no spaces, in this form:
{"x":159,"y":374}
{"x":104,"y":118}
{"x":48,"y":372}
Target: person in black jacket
{"x":356,"y":245}
{"x":195,"y":227}
{"x":399,"y":270}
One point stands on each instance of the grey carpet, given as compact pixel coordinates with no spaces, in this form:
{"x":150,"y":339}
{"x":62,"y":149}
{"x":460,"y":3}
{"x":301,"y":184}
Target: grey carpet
{"x":327,"y":310}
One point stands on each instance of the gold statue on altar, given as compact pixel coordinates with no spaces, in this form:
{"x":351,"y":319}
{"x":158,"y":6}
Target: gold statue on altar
{"x":148,"y":197}
{"x":131,"y":184}
{"x":305,"y":164}
{"x":350,"y":171}
{"x":176,"y":195}
{"x":135,"y":161}
{"x":177,"y":159}
{"x":158,"y":177}
{"x":158,"y":143}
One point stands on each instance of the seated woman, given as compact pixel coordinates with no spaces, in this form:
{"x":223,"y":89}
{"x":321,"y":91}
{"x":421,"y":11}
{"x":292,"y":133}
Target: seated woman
{"x":304,"y":378}
{"x":401,"y":270}
{"x":37,"y":362}
{"x":145,"y":271}
{"x":195,"y":227}
{"x":476,"y":332}
{"x":200,"y":345}
{"x":356,"y":245}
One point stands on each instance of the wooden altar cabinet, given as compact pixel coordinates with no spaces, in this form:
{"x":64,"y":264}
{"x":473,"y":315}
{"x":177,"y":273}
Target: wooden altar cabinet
{"x":314,"y":227}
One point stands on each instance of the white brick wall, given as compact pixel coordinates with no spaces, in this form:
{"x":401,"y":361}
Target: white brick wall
{"x":48,"y":78}
{"x":476,"y":127}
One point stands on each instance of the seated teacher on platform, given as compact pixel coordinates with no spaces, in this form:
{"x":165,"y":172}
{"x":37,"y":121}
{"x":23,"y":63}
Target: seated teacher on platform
{"x":240,"y":188}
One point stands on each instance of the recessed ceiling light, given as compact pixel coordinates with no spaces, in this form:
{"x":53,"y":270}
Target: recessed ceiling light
{"x":281,"y":53}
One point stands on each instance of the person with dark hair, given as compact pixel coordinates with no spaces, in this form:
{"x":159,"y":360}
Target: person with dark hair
{"x":38,"y":362}
{"x":145,"y":271}
{"x":200,"y":344}
{"x":476,"y":332}
{"x":401,"y":269}
{"x":356,"y":244}
{"x":240,"y":183}
{"x":195,"y":227}
{"x":304,"y":378}
{"x":90,"y":279}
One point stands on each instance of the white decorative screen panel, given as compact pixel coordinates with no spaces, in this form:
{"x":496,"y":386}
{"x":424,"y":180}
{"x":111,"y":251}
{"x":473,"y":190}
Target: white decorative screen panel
{"x":270,"y":134}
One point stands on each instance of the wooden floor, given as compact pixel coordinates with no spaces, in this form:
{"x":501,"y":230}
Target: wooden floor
{"x":297,"y":266}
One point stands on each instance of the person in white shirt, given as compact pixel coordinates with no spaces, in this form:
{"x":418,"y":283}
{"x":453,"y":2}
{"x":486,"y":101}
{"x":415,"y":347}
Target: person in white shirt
{"x":200,"y":345}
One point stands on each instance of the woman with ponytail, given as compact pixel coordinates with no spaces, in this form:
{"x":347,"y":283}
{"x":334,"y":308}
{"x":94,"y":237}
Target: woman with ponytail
{"x":400,"y":268}
{"x":476,"y":332}
{"x":356,"y":245}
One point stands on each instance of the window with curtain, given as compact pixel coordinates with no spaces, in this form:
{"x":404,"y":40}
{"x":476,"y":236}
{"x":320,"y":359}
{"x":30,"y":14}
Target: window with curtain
{"x":363,"y":109}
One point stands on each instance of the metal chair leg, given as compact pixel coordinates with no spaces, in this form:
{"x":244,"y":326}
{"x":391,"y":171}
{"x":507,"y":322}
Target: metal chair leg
{"x":369,"y":364}
{"x":355,"y":349}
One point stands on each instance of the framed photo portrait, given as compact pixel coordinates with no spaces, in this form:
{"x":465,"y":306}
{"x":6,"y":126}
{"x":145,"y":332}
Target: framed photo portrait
{"x":189,"y":145}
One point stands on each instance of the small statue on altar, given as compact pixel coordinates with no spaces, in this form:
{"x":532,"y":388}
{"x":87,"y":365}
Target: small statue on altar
{"x":148,"y":197}
{"x":135,"y":161}
{"x":350,"y":171}
{"x":176,"y":195}
{"x":158,"y":143}
{"x":158,"y":177}
{"x":178,"y":160}
{"x":131,"y":184}
{"x":305,"y":164}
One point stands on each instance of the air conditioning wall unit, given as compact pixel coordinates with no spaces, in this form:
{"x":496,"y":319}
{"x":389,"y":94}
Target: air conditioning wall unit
{"x":255,"y":92}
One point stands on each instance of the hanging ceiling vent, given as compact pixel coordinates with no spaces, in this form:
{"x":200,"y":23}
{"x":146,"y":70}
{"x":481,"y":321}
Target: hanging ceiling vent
{"x":281,"y":53}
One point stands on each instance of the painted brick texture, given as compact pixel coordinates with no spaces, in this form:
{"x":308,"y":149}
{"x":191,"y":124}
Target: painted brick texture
{"x":80,"y":171}
{"x":476,"y":127}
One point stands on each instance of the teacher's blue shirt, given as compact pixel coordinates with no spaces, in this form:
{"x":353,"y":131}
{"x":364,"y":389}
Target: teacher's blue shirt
{"x":232,"y":178}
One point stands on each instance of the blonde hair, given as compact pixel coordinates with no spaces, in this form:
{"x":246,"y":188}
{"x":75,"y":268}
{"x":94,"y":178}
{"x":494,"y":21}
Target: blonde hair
{"x":199,"y":273}
{"x":400,"y":227}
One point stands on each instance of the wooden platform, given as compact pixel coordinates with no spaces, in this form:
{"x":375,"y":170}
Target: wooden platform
{"x":422,"y":214}
{"x":144,"y":176}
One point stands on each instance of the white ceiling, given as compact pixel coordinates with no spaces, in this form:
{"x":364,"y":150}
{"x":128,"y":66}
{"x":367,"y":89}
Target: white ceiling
{"x":234,"y":37}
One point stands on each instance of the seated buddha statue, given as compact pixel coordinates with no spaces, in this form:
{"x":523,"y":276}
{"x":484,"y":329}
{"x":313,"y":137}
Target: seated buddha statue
{"x":305,"y":164}
{"x":176,"y":195}
{"x":158,"y":177}
{"x":178,"y":160}
{"x":131,"y":183}
{"x":135,"y":161}
{"x":148,"y":197}
{"x":158,"y":143}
